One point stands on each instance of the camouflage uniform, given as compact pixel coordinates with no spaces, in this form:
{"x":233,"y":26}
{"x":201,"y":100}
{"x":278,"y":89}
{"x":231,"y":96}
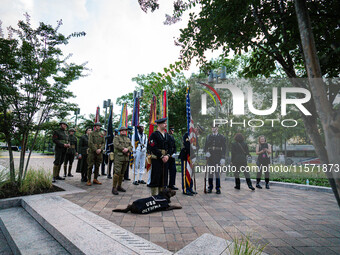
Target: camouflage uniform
{"x":121,"y":159}
{"x":70,"y":153}
{"x":96,"y":141}
{"x":60,"y":138}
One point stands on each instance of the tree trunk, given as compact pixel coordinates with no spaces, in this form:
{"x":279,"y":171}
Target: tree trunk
{"x":330,"y":118}
{"x":30,"y":153}
{"x":11,"y":158}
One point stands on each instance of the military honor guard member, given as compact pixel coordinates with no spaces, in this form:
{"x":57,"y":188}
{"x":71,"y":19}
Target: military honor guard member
{"x":123,"y":148}
{"x":71,"y":152}
{"x":139,"y":143}
{"x":105,"y":155}
{"x":215,"y":148}
{"x":60,"y":138}
{"x":95,"y":156}
{"x":82,"y":156}
{"x":159,"y":146}
{"x":126,"y":175}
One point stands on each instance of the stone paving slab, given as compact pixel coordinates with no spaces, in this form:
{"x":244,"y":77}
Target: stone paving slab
{"x":4,"y":247}
{"x":283,"y":219}
{"x":82,"y":232}
{"x":26,"y":235}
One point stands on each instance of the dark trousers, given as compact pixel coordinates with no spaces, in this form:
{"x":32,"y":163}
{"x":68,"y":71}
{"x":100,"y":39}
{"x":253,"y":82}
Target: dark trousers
{"x":172,"y":172}
{"x":266,"y":172}
{"x":126,"y":174}
{"x":59,"y":156}
{"x":83,"y":167}
{"x":186,"y":185}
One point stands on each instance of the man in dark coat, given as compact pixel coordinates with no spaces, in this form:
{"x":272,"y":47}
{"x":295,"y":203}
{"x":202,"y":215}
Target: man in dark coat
{"x":60,"y":138}
{"x":215,"y":148}
{"x":82,"y":156}
{"x":159,"y":146}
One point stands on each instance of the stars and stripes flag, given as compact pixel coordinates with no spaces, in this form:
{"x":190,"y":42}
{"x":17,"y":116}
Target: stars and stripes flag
{"x":190,"y":126}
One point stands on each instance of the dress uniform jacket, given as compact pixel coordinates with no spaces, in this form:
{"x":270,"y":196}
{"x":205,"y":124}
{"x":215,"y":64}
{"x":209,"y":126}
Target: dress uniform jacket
{"x":159,"y":145}
{"x":216,"y":146}
{"x":120,"y":142}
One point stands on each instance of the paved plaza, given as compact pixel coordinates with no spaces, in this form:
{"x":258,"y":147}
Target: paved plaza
{"x":287,"y":221}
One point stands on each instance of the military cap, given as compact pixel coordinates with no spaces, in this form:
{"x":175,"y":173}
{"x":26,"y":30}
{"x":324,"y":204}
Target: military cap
{"x":123,"y":128}
{"x":97,"y":124}
{"x":71,"y":130}
{"x":63,"y":122}
{"x":160,"y":121}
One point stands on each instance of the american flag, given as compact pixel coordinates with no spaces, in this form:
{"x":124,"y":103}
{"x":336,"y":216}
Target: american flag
{"x":190,"y":125}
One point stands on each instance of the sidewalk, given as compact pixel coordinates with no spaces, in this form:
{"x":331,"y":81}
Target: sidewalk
{"x":289,"y":221}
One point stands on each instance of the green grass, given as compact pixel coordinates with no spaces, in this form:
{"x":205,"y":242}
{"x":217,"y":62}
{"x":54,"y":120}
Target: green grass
{"x":243,"y":246}
{"x":36,"y":182}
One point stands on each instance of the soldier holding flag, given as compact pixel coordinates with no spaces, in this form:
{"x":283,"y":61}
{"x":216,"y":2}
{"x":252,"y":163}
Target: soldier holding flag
{"x":139,"y":144}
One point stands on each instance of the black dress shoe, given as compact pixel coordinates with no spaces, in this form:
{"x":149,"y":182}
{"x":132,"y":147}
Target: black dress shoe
{"x":148,"y":185}
{"x":267,"y":186}
{"x":237,"y":187}
{"x":119,"y":188}
{"x":60,"y":178}
{"x":109,"y":177}
{"x":209,"y":190}
{"x":142,"y":182}
{"x":135,"y":183}
{"x":127,"y":179}
{"x":70,"y":175}
{"x":188,"y":193}
{"x":251,"y":187}
{"x":103,"y":174}
{"x":218,"y":191}
{"x":174,"y":188}
{"x":258,"y":186}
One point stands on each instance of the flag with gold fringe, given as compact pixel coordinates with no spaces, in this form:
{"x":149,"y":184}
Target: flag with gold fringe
{"x":190,"y":127}
{"x":124,"y":116}
{"x":96,"y":119}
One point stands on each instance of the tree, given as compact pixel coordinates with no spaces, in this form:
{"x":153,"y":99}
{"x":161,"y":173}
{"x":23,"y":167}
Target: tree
{"x":34,"y":78}
{"x":270,"y":29}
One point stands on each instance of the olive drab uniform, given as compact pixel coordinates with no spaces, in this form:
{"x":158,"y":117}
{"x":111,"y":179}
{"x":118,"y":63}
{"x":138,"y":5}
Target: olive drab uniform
{"x":121,"y":159}
{"x":216,"y":146}
{"x":82,"y":150}
{"x":60,"y":138}
{"x":96,"y":141}
{"x":70,"y":154}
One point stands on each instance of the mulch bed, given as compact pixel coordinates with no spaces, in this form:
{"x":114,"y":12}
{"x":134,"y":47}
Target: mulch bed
{"x":9,"y":190}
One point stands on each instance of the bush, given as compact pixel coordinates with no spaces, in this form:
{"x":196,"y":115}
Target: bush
{"x":243,"y":246}
{"x":36,"y":182}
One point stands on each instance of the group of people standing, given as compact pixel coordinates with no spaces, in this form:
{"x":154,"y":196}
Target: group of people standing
{"x":159,"y":150}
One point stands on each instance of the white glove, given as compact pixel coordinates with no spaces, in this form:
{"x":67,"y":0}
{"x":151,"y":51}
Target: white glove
{"x":173,"y":155}
{"x":222,"y":161}
{"x":208,"y":154}
{"x":193,"y":147}
{"x":193,"y":160}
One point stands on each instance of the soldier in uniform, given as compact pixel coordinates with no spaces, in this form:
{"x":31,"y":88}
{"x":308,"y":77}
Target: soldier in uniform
{"x":139,"y":143}
{"x":83,"y":147}
{"x":126,"y":175}
{"x":71,"y":152}
{"x":105,"y":155}
{"x":215,"y":148}
{"x":60,"y":138}
{"x":95,"y":156}
{"x":159,"y":146}
{"x":122,"y":150}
